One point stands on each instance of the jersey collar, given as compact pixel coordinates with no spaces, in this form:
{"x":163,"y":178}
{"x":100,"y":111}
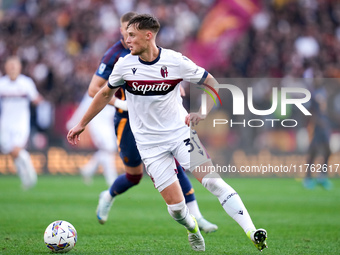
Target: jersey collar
{"x":154,"y":61}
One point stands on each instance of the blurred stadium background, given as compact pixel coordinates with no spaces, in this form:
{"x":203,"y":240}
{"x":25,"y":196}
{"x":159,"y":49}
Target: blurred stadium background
{"x":61,"y":43}
{"x":259,"y":43}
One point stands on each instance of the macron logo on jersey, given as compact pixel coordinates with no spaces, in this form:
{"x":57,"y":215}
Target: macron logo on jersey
{"x":151,"y":88}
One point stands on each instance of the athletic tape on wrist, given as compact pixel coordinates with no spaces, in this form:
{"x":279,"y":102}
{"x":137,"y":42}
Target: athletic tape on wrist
{"x":121,"y":104}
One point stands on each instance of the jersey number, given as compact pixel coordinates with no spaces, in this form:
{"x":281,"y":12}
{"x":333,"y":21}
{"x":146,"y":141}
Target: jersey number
{"x":188,"y":143}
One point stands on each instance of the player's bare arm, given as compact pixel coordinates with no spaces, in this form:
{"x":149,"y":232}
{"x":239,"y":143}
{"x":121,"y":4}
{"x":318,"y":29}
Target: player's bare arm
{"x":96,"y":84}
{"x":101,"y":99}
{"x":196,"y":117}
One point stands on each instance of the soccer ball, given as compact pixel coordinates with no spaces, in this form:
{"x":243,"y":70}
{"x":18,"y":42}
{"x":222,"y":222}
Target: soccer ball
{"x":60,"y":236}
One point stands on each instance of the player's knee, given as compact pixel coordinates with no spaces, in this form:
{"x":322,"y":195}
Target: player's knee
{"x":134,"y":170}
{"x":15,"y":152}
{"x":178,"y":211}
{"x":135,"y":179}
{"x":210,"y":179}
{"x":215,"y":184}
{"x":131,"y":159}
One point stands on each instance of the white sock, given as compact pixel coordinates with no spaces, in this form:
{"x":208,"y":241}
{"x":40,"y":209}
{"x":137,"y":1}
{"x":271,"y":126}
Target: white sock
{"x":107,"y":160}
{"x":180,"y":213}
{"x":107,"y":196}
{"x":23,"y":175}
{"x":25,"y":169}
{"x":91,"y":167}
{"x":25,"y":156}
{"x":229,"y":199}
{"x":194,"y":210}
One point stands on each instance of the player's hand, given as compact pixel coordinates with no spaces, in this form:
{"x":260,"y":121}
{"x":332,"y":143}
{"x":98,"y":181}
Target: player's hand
{"x":73,"y":135}
{"x":194,"y":118}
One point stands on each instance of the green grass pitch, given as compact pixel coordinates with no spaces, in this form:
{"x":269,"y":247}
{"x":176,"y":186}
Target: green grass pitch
{"x":298,"y":221}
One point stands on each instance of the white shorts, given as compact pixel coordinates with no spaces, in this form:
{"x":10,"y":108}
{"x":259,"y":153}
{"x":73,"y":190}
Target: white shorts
{"x":103,"y":134}
{"x":160,"y":163}
{"x":13,"y":137}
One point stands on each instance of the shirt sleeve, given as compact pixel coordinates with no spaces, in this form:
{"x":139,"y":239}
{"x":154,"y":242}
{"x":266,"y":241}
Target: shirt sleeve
{"x":191,"y":72}
{"x":32,"y":91}
{"x":106,"y":65}
{"x":116,"y":78}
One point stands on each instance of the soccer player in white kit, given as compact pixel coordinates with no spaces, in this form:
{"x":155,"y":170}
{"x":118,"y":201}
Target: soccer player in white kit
{"x":16,"y":93}
{"x":103,"y":135}
{"x":160,"y":123}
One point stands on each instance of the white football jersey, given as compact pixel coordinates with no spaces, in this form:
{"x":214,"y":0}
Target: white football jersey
{"x":154,"y":104}
{"x":15,"y":98}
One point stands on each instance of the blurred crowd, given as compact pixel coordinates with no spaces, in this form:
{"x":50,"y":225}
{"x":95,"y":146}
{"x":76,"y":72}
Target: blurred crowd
{"x":286,"y":36}
{"x":61,"y":41}
{"x":295,"y":43}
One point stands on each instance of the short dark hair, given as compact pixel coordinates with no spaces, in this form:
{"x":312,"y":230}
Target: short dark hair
{"x":128,"y":16}
{"x":145,"y":22}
